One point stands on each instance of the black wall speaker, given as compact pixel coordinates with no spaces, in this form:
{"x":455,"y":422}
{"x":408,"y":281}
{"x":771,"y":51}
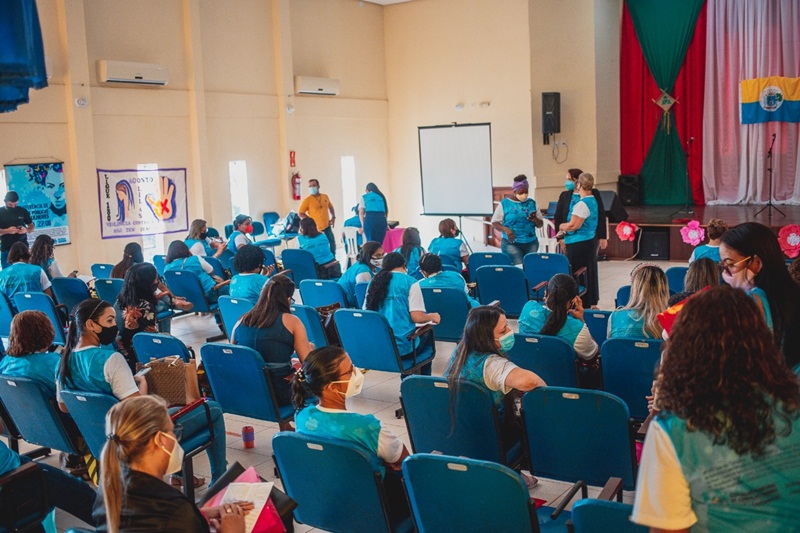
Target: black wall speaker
{"x":654,"y":244}
{"x":615,"y":211}
{"x":551,"y":113}
{"x":629,"y":190}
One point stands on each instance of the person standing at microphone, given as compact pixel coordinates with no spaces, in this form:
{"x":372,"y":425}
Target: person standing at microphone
{"x":516,"y":217}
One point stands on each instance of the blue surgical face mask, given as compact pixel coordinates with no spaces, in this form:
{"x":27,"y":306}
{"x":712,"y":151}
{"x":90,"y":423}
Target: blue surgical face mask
{"x":313,"y":190}
{"x":570,"y":185}
{"x":506,"y":342}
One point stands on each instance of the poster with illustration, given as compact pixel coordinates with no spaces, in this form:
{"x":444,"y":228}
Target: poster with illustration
{"x":40,"y":187}
{"x":142,"y":202}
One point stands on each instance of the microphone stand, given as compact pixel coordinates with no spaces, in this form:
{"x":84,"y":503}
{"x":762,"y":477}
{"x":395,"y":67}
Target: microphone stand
{"x":770,"y":206}
{"x":686,"y":207}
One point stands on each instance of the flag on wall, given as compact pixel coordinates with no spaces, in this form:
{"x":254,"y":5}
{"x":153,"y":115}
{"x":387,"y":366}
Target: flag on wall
{"x":772,"y":99}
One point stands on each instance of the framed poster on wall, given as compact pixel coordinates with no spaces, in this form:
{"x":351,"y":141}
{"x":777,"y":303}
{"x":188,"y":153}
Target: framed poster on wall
{"x":40,"y":187}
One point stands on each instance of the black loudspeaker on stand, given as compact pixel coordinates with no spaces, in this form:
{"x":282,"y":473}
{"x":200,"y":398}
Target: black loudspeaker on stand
{"x":770,"y":206}
{"x":551,"y":115}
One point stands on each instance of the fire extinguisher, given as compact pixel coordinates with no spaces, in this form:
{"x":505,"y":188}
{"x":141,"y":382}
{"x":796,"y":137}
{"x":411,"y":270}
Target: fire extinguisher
{"x":296,"y":180}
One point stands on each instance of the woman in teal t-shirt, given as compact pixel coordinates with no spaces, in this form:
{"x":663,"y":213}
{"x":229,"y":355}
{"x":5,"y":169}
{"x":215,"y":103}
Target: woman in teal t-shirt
{"x":579,"y":236}
{"x":311,"y":240}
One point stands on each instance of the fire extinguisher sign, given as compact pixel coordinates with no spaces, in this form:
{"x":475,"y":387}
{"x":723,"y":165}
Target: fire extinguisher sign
{"x":291,"y":159}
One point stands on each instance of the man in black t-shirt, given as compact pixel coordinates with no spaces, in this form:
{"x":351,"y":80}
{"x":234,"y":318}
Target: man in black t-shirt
{"x":15,"y":224}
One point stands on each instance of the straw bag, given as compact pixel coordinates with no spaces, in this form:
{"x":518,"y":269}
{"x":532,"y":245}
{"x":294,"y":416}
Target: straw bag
{"x":172,"y":379}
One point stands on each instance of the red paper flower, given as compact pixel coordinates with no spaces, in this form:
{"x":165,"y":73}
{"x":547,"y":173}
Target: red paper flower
{"x":692,"y":233}
{"x":626,"y":231}
{"x":789,"y":238}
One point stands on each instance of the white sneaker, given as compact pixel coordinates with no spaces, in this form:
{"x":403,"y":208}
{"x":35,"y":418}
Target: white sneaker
{"x":530,"y":481}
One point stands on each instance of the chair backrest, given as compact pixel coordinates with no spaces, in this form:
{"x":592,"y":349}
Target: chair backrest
{"x":157,"y":346}
{"x":368,"y":339}
{"x":33,"y":408}
{"x":102,"y":270}
{"x":539,"y":267}
{"x":475,"y":431}
{"x":547,"y":243}
{"x":322,"y":292}
{"x":623,"y":296}
{"x":108,"y":289}
{"x":238,"y":380}
{"x":70,"y":291}
{"x":361,"y":293}
{"x":228,"y":230}
{"x":351,"y":243}
{"x":675,"y":278}
{"x":310,"y":319}
{"x":552,"y":358}
{"x":301,"y":263}
{"x":577,"y":434}
{"x":314,"y":471}
{"x":187,"y":284}
{"x":39,"y":301}
{"x":160,"y":261}
{"x":479,"y":259}
{"x":232,"y":310}
{"x":270,"y":218}
{"x":216,"y":264}
{"x":600,"y":516}
{"x":450,"y":493}
{"x":504,"y":283}
{"x":269,"y":259}
{"x":628,"y":371}
{"x":551,"y":209}
{"x":88,"y":410}
{"x":212,"y":233}
{"x":453,"y":307}
{"x":597,"y":322}
{"x":258,"y":228}
{"x":6,"y":316}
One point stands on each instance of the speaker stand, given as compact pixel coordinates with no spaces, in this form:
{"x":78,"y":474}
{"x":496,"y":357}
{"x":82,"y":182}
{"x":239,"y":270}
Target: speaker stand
{"x":687,"y":209}
{"x":770,"y":206}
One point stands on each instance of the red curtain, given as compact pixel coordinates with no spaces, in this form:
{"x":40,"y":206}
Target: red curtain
{"x":639,"y":116}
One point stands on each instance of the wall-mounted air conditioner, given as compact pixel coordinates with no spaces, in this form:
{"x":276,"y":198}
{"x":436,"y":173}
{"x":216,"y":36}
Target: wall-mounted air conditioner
{"x":309,"y":85}
{"x":128,"y":72}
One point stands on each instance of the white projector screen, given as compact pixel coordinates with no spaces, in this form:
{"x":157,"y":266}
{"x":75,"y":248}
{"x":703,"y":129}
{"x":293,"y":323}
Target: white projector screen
{"x":456,"y":169}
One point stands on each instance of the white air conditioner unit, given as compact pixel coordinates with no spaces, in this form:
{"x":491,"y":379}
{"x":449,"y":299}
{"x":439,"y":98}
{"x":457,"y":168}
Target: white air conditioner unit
{"x":127,"y":72}
{"x":309,"y":85}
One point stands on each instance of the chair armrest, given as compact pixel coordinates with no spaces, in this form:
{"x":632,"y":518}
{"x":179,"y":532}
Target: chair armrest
{"x":218,"y":286}
{"x":642,"y":431}
{"x":420,"y":331}
{"x":28,"y":469}
{"x":579,"y":485}
{"x":581,"y":271}
{"x":612,"y":488}
{"x":539,"y":286}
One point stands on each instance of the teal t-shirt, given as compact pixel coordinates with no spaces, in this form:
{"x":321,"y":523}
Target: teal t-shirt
{"x":373,"y":203}
{"x":448,"y":280}
{"x":412,"y":261}
{"x":589,"y":227}
{"x":625,"y":323}
{"x":40,"y":367}
{"x":247,"y":286}
{"x":448,"y":249}
{"x":348,"y":281}
{"x":319,"y":246}
{"x":515,"y":217}
{"x":704,"y":250}
{"x":9,"y":459}
{"x":20,"y":277}
{"x":473,"y":371}
{"x":192,"y":264}
{"x":396,"y":310}
{"x":534,"y":315}
{"x":758,"y":294}
{"x":88,"y":370}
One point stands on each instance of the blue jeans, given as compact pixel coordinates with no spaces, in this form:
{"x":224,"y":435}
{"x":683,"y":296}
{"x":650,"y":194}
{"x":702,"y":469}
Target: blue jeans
{"x":375,"y":226}
{"x":517,"y":250}
{"x":194,"y":422}
{"x":331,"y":239}
{"x":64,"y":491}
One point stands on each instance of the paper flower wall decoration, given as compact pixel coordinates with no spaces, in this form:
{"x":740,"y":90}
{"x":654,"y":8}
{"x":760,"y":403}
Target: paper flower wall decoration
{"x":692,"y":233}
{"x":626,"y":231}
{"x":789,"y":238}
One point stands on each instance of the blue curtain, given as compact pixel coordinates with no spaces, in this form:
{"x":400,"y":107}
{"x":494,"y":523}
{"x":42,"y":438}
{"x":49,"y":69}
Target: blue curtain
{"x":21,"y":53}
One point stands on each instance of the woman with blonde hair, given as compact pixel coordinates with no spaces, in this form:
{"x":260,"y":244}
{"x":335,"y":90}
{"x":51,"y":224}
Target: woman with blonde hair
{"x":649,"y":297}
{"x":579,"y":237}
{"x":142,"y":448}
{"x":198,"y":242}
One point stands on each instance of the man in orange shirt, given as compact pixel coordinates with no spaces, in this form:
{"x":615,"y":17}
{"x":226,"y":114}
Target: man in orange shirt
{"x":319,"y":207}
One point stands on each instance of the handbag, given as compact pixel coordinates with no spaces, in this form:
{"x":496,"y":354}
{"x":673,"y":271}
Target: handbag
{"x":326,"y":319}
{"x":172,"y":379}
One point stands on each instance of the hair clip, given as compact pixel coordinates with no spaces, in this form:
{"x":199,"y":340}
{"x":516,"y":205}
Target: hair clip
{"x":114,"y":437}
{"x":301,"y":376}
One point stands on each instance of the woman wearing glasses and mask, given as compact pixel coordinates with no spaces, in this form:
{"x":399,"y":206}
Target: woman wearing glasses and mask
{"x":752,"y":260}
{"x":368,"y":262}
{"x":329,"y":375}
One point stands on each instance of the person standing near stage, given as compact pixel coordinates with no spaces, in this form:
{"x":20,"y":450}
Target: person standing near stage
{"x":319,"y":207}
{"x":517,"y":218}
{"x":579,"y":235}
{"x":15,"y":224}
{"x":372,"y":210}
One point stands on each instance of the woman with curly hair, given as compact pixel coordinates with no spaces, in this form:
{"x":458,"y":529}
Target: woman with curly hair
{"x":649,"y":297}
{"x":724,"y":454}
{"x":42,"y":255}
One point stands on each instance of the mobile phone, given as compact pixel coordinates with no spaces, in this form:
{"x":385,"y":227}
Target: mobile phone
{"x":142,"y":372}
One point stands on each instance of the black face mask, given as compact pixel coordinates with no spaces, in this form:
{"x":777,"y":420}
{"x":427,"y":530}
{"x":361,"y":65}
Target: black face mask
{"x":458,"y":232}
{"x":107,"y":335}
{"x":203,"y":235}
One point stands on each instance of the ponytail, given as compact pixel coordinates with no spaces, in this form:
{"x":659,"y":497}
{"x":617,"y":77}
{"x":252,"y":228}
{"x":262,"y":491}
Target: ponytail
{"x":112,"y":482}
{"x":320,"y":368}
{"x":90,"y":309}
{"x":561,"y":290}
{"x":379,"y":286}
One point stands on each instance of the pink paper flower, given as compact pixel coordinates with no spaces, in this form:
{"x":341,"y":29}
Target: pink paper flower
{"x":692,"y":233}
{"x":789,"y":238}
{"x":626,"y":231}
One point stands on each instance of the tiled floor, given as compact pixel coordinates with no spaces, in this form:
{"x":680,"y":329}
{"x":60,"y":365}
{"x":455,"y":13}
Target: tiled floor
{"x":380,"y":397}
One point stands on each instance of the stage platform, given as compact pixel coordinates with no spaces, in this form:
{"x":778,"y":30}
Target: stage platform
{"x":661,"y":225}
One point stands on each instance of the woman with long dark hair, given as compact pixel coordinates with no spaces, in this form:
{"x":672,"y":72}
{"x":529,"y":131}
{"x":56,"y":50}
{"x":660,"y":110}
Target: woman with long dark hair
{"x":561,"y":315}
{"x":368,"y":262}
{"x":373,"y":210}
{"x":724,"y":453}
{"x":43,"y":255}
{"x":131,"y":255}
{"x":752,"y":261}
{"x":311,"y":240}
{"x":180,"y":258}
{"x":139,"y":306}
{"x":411,"y":249}
{"x":395,"y":295}
{"x":272,"y":330}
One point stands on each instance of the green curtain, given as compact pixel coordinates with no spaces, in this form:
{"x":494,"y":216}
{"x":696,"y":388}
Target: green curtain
{"x":664,"y":29}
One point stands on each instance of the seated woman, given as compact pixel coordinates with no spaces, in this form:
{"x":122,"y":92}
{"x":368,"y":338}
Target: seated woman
{"x":242,"y":228}
{"x":142,"y":448}
{"x":411,"y":250}
{"x":272,"y":330}
{"x":448,"y":246}
{"x":329,"y":375}
{"x":724,"y":453}
{"x":560,"y":316}
{"x":310,"y":239}
{"x":43,"y":255}
{"x":395,"y":295}
{"x":180,"y":258}
{"x":368,"y":262}
{"x":702,"y":273}
{"x":432,"y":276}
{"x":200,"y":244}
{"x":252,"y":275}
{"x":131,"y":255}
{"x":19,"y":276}
{"x":27,"y":356}
{"x":649,"y":297}
{"x":89,"y":364}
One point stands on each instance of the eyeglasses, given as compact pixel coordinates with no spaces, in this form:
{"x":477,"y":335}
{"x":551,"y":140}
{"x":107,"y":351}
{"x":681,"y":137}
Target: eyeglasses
{"x":726,"y":267}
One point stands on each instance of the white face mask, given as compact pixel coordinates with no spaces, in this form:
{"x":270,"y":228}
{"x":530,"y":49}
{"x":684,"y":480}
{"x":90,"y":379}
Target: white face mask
{"x":376,"y":262}
{"x":175,"y":456}
{"x":354,"y":384}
